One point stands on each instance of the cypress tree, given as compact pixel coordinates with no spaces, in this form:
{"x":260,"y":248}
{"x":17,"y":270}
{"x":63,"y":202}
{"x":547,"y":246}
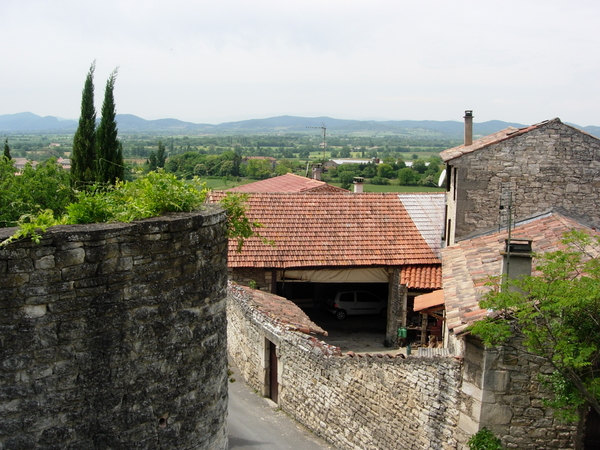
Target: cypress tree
{"x":160,"y":155}
{"x":109,"y":154}
{"x":83,"y":156}
{"x":6,"y":149}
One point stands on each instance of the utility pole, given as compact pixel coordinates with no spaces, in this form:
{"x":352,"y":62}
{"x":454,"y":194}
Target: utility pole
{"x":324,"y":140}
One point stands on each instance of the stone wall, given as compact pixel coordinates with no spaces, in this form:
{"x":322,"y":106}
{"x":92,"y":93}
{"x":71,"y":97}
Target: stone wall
{"x":248,"y":275}
{"x":552,"y":166}
{"x":501,"y":391}
{"x":354,"y":402}
{"x":114,"y":336}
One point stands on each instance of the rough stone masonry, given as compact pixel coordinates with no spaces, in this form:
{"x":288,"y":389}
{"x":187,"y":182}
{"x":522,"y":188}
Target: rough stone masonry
{"x":113,"y":336}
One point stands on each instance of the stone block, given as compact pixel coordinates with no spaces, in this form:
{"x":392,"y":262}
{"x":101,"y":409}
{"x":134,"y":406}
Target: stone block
{"x":496,"y":414}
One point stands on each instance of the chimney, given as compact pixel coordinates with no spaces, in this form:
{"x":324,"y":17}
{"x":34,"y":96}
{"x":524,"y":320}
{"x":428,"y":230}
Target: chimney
{"x":468,"y":127}
{"x":358,"y":184}
{"x":516,"y":258}
{"x":316,"y":172}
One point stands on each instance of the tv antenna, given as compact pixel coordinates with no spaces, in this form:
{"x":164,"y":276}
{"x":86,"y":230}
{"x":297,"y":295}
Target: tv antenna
{"x":506,"y":208}
{"x":324,"y":128}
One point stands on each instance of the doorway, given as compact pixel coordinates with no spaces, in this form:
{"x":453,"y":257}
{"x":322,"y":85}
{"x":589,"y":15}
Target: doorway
{"x":272,"y":372}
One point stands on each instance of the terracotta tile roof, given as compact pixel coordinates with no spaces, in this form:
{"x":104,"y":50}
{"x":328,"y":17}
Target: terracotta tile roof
{"x":493,"y":138}
{"x":427,"y":212}
{"x":287,"y":183}
{"x":330,"y":230}
{"x":422,"y":276}
{"x":467,"y":265}
{"x":426,"y":301}
{"x":280,"y":310}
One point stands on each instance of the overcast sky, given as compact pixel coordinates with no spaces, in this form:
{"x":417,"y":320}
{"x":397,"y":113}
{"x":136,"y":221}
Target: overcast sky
{"x":221,"y":60}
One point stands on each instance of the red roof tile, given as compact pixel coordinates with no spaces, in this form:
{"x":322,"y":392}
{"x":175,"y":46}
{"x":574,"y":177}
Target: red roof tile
{"x":287,"y":183}
{"x":331,"y":230}
{"x":468,"y":264}
{"x":422,"y":276}
{"x":280,"y":310}
{"x":426,"y":301}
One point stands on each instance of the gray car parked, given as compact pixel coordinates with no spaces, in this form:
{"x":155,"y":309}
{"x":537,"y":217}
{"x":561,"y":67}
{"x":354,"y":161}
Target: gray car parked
{"x":355,"y":303}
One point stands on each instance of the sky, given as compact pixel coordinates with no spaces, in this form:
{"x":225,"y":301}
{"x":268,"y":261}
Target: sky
{"x":215,"y":61}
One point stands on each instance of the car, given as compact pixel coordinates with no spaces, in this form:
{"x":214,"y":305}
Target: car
{"x":350,"y":303}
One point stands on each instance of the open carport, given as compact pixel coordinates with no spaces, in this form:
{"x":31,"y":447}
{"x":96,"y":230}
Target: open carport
{"x":322,"y":241}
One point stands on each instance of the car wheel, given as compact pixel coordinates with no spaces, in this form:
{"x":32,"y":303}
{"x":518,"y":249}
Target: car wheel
{"x":340,"y":314}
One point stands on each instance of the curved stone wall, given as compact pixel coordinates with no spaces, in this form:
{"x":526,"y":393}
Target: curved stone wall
{"x":114,"y":336}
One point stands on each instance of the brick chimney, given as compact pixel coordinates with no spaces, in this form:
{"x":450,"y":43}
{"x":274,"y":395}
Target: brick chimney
{"x":358,"y":185}
{"x":468,"y":127}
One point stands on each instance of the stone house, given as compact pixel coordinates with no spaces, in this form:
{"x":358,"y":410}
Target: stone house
{"x":540,"y":182}
{"x":327,"y":240}
{"x":526,"y":170}
{"x":501,"y":387}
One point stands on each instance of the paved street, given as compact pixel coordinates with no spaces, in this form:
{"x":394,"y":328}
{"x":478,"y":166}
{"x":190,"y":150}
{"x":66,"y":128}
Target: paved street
{"x":256,"y":423}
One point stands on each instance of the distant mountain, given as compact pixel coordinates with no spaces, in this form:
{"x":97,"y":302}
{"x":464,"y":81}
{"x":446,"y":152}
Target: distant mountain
{"x":27,"y":122}
{"x":31,"y":123}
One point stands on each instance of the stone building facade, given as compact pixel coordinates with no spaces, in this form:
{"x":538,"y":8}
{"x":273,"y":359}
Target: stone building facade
{"x":544,"y":166}
{"x":501,"y":391}
{"x":114,"y":336}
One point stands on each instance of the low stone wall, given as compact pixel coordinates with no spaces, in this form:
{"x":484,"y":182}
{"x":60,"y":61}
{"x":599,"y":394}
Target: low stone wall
{"x":354,"y":402}
{"x":114,"y":336}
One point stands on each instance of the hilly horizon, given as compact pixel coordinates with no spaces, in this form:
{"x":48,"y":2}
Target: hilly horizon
{"x":27,"y":122}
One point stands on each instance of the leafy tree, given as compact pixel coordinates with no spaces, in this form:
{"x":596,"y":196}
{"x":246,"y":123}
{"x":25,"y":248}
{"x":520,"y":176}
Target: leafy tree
{"x":257,"y":169}
{"x":346,"y":178}
{"x":419,"y":166}
{"x":83,"y":155}
{"x":428,"y":181}
{"x":557,"y":316}
{"x":345,"y":152}
{"x":226,"y":168}
{"x":109,"y":154}
{"x":152,"y":162}
{"x":369,"y":171}
{"x":407,"y":177}
{"x":283,"y":167}
{"x":6,"y":149}
{"x":385,"y":170}
{"x":160,"y":155}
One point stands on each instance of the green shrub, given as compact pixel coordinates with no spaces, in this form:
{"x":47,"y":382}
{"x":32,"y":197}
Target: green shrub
{"x":484,"y":439}
{"x":380,"y":181}
{"x":153,"y":195}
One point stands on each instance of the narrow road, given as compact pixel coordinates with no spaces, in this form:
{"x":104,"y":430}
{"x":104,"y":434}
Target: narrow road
{"x":256,"y":423}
